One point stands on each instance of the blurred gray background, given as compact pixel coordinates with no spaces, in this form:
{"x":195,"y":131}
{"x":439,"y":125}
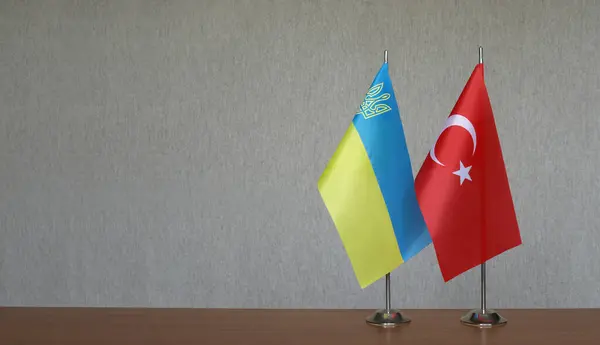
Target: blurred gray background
{"x":166,"y":153}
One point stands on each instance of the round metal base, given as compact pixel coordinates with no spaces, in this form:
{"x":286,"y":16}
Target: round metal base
{"x":476,"y":318}
{"x":387,"y":318}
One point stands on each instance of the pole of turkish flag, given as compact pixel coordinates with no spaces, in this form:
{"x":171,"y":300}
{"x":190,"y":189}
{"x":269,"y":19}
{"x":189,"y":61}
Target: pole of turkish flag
{"x":463,"y":190}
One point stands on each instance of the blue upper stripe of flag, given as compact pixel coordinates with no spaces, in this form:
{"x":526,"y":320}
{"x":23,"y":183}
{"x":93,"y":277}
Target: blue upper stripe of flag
{"x":380,"y":128}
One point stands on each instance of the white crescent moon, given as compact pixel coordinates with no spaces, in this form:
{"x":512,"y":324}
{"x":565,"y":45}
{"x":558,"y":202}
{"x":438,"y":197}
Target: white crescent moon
{"x":459,"y":121}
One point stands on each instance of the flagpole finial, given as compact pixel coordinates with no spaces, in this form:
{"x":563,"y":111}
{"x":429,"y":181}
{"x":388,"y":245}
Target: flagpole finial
{"x":385,"y":56}
{"x":480,"y":54}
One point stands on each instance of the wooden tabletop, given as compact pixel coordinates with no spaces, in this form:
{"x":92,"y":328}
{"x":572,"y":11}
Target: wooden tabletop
{"x":94,"y":326}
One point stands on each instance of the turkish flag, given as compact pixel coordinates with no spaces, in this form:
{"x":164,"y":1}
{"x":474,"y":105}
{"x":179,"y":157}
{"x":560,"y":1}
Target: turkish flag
{"x":463,"y":189}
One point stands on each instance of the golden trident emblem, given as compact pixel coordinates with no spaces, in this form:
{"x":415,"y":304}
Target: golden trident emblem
{"x":372,"y":105}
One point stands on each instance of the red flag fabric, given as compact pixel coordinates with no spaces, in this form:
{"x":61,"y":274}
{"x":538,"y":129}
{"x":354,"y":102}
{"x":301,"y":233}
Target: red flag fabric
{"x":463,"y":189}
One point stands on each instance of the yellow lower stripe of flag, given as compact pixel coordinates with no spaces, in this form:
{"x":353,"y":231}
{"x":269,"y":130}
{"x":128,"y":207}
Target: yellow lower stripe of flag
{"x":352,"y":196}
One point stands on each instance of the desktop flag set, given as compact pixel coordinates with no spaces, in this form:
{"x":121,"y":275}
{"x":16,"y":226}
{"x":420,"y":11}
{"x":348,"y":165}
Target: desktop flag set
{"x":460,"y":199}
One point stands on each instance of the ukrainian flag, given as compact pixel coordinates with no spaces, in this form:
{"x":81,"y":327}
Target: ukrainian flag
{"x":368,"y":188}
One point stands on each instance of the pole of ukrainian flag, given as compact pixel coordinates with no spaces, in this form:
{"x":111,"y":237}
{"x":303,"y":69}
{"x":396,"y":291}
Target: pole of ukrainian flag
{"x":387,"y":317}
{"x":483,"y":317}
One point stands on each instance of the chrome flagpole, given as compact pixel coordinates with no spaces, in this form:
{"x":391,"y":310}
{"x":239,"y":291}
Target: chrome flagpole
{"x":387,"y":317}
{"x":483,"y":317}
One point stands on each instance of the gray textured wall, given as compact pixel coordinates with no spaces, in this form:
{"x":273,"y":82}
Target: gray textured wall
{"x":166,"y":153}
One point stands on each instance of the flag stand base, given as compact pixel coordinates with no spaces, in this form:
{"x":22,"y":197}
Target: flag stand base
{"x":387,"y":318}
{"x":476,"y":318}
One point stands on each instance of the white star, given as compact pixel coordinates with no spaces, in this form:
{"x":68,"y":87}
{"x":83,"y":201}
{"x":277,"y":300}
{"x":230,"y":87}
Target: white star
{"x":463,"y":172}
